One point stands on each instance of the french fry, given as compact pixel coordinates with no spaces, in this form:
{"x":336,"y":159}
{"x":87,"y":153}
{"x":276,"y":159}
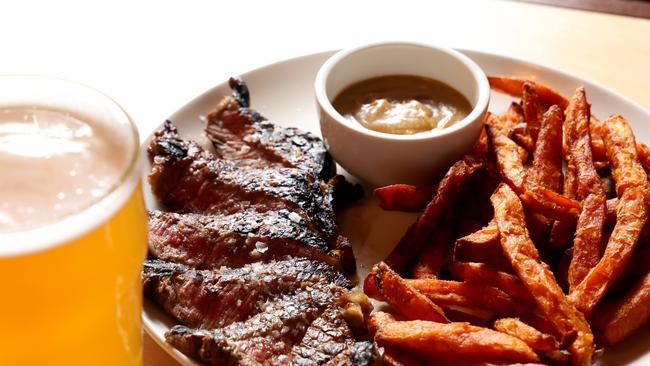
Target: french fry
{"x":539,"y":280}
{"x":551,"y":204}
{"x":631,"y":217}
{"x":403,"y":297}
{"x":507,"y":154}
{"x":531,"y":336}
{"x":404,"y":197}
{"x":622,"y":152}
{"x":546,"y":170}
{"x":589,"y":228}
{"x":433,"y":255}
{"x":459,"y":340}
{"x":417,"y":235}
{"x":471,"y":295}
{"x":588,"y":238}
{"x":484,"y":274}
{"x":514,"y":86}
{"x":524,"y":140}
{"x":644,"y":156}
{"x":532,"y":110}
{"x":617,"y":320}
{"x":378,"y":319}
{"x":482,"y":246}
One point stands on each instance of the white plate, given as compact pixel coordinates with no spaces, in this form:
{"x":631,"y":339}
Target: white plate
{"x":283,"y":92}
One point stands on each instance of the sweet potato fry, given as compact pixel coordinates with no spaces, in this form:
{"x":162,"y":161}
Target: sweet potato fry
{"x":403,"y":297}
{"x":551,"y":204}
{"x":587,"y":243}
{"x":434,"y":253}
{"x":524,"y":140}
{"x":579,"y":142}
{"x":459,"y":340}
{"x":589,"y":229}
{"x":622,"y":152}
{"x":507,"y":154}
{"x":644,"y":156}
{"x":471,"y":295}
{"x":395,"y":357}
{"x":482,"y":246}
{"x":404,"y":197}
{"x":458,"y":176}
{"x":616,"y":320}
{"x":514,"y":86}
{"x":539,"y":280}
{"x":546,"y":170}
{"x":531,"y":336}
{"x":378,"y":319}
{"x":631,"y":216}
{"x":532,"y":110}
{"x":482,"y":273}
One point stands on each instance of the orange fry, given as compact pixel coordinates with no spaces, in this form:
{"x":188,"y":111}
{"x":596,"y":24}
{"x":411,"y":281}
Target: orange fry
{"x":531,"y":336}
{"x":508,"y":155}
{"x":539,"y":280}
{"x":404,"y":197}
{"x":402,"y":296}
{"x":546,"y":170}
{"x":484,"y":274}
{"x":589,"y":229}
{"x":551,"y":204}
{"x":631,"y":216}
{"x":514,"y":86}
{"x":622,"y":152}
{"x":644,"y":156}
{"x":588,"y":237}
{"x":532,"y":109}
{"x":469,"y":295}
{"x":457,"y":177}
{"x":378,"y":319}
{"x":433,"y":255}
{"x":460,"y":340}
{"x":524,"y":140}
{"x":616,"y":320}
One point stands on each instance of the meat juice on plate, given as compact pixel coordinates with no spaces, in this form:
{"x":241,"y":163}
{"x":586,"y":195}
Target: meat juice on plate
{"x":72,"y":228}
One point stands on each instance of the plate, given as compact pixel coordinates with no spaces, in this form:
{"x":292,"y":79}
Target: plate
{"x":283,"y":92}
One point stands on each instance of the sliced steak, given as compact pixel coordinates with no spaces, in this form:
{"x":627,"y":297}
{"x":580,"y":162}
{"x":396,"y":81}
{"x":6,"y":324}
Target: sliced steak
{"x":212,"y":241}
{"x":266,"y":338}
{"x":187,"y":178}
{"x":243,"y":135}
{"x":217,"y":298}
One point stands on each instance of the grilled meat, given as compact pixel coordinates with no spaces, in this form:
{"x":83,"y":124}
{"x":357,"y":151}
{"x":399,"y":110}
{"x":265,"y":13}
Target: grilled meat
{"x":187,"y":178}
{"x":217,"y":298}
{"x":244,"y":136}
{"x":211,"y":241}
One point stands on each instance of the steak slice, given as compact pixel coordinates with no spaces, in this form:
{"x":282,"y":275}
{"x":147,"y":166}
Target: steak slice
{"x":329,"y":341}
{"x":187,"y":178}
{"x":212,"y":241}
{"x":217,"y":298}
{"x":243,"y":135}
{"x":266,"y":338}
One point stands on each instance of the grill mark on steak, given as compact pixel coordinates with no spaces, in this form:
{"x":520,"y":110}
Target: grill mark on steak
{"x":211,"y":241}
{"x":187,"y":178}
{"x":266,"y":338}
{"x":243,"y":135}
{"x":217,"y":298}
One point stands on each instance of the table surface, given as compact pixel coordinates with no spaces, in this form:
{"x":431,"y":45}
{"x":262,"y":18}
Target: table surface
{"x":153,"y":57}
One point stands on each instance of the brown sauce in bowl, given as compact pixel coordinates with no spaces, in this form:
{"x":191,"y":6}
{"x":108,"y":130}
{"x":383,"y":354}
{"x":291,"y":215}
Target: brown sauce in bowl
{"x":402,"y":104}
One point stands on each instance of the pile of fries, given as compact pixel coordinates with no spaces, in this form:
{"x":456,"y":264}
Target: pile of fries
{"x":533,"y":248}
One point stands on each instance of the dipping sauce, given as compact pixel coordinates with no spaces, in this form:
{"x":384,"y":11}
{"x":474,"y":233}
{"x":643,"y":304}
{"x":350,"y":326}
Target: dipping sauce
{"x":53,"y":164}
{"x":402,"y":104}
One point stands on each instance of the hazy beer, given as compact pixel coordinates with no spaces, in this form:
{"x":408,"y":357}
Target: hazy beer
{"x":72,"y":226}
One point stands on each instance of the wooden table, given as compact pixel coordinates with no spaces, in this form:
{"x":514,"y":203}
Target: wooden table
{"x":153,"y":57}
